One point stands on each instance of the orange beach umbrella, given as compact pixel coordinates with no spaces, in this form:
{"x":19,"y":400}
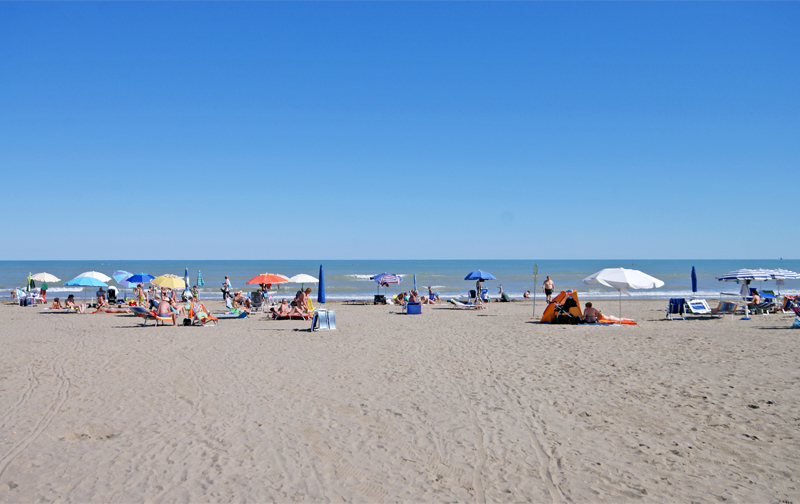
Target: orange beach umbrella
{"x":268,"y":278}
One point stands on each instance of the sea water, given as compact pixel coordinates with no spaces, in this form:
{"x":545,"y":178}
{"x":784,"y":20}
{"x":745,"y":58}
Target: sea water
{"x":350,"y":279}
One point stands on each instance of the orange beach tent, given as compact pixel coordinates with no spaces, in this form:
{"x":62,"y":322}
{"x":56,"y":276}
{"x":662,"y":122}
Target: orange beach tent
{"x":550,"y":311}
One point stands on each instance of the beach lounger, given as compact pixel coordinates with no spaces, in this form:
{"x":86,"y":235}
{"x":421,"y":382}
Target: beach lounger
{"x":201,"y":317}
{"x":676,"y":309}
{"x":698,"y":307}
{"x":725,"y":308}
{"x":238,"y":315}
{"x":146,"y":314}
{"x":466,"y":306}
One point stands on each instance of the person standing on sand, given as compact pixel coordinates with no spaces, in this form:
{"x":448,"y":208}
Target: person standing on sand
{"x":548,"y":287}
{"x":226,"y":288}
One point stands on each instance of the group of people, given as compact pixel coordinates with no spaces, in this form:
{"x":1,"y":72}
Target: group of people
{"x":413,"y":296}
{"x":299,"y":307}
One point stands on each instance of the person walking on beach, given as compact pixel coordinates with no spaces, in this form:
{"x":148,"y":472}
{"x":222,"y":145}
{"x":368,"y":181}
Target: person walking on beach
{"x":226,"y":288}
{"x":548,"y":287}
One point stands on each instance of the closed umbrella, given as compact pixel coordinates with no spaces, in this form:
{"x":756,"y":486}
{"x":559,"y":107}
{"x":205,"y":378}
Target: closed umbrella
{"x":694,"y":281}
{"x":321,"y":290}
{"x":200,"y":281}
{"x":623,"y":279}
{"x":28,"y":285}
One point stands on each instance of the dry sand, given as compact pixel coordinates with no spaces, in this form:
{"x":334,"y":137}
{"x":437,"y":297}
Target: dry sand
{"x":448,"y":406}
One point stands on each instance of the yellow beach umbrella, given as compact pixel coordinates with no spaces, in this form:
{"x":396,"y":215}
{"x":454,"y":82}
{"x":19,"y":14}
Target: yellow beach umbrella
{"x":169,"y":282}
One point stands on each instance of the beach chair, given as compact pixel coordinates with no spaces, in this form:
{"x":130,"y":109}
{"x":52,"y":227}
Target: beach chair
{"x":789,"y":302}
{"x":201,"y":316}
{"x":796,"y":310}
{"x":698,"y":307}
{"x":725,"y":308}
{"x":676,"y":309}
{"x":144,"y":313}
{"x":256,"y":302}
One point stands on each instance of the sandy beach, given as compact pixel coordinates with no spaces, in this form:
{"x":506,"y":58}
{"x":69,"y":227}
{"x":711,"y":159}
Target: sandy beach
{"x":449,"y":406}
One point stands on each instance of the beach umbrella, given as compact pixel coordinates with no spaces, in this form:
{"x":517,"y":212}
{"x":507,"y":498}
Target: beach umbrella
{"x":45,"y":277}
{"x":321,"y":290}
{"x":28,"y":285}
{"x":746,"y":275}
{"x":95,"y":274}
{"x":623,"y":279}
{"x":139,"y":278}
{"x":187,"y":293}
{"x":120,"y":275}
{"x":200,"y":281}
{"x":776,"y":274}
{"x":386,"y":279}
{"x":302,"y":279}
{"x":694,"y":281}
{"x":86,"y":282}
{"x":415,"y":281}
{"x":479,"y":275}
{"x":268,"y":278}
{"x":169,"y":281}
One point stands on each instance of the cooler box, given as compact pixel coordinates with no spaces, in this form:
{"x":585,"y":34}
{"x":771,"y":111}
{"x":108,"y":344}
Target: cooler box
{"x":414,"y":308}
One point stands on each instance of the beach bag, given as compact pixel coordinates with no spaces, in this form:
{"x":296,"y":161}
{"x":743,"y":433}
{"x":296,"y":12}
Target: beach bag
{"x":187,"y":321}
{"x":796,"y":324}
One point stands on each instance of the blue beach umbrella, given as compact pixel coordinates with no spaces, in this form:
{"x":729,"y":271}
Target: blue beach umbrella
{"x":120,"y":276}
{"x":86,"y":282}
{"x":200,"y":281}
{"x":480,"y":275}
{"x":139,"y":278}
{"x":694,"y":281}
{"x":321,"y":291}
{"x":415,"y":281}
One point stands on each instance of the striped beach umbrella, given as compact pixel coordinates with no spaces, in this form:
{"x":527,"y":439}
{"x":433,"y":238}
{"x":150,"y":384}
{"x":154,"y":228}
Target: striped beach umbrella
{"x":200,"y":281}
{"x":385,"y":279}
{"x":745,"y":274}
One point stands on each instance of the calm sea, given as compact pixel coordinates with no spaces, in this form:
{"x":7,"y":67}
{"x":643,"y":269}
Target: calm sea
{"x":350,"y":279}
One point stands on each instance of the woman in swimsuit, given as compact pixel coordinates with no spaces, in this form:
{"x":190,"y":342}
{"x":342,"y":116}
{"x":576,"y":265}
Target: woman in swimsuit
{"x":56,"y":305}
{"x":70,"y":302}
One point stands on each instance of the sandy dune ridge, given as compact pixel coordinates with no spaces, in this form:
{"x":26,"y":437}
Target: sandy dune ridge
{"x":448,"y":406}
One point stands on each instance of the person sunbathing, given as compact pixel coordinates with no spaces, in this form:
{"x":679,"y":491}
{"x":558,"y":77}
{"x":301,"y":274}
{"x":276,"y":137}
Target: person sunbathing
{"x":164,"y":310}
{"x":70,"y":303}
{"x":111,"y":309}
{"x":590,"y":315}
{"x":413,"y":297}
{"x":176,"y":307}
{"x":56,"y":305}
{"x":282,"y":310}
{"x":199,"y":309}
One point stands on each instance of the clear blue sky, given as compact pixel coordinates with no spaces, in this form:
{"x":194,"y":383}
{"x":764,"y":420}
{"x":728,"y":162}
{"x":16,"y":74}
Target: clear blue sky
{"x":399,"y":130}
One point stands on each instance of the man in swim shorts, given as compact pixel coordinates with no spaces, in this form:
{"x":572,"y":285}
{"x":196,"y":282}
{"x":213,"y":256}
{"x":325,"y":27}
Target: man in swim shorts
{"x":548,"y":287}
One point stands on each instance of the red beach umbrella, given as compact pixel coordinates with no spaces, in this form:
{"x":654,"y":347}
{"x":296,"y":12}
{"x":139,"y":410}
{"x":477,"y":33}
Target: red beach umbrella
{"x":268,"y":278}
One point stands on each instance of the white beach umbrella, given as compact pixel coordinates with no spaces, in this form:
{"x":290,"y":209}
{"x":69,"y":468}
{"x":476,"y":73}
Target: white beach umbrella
{"x":623,"y":279}
{"x":302,"y":278}
{"x":45,"y":277}
{"x":96,"y":275}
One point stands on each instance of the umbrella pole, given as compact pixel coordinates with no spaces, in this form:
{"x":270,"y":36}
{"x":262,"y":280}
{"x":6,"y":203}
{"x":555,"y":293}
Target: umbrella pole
{"x":620,"y":306}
